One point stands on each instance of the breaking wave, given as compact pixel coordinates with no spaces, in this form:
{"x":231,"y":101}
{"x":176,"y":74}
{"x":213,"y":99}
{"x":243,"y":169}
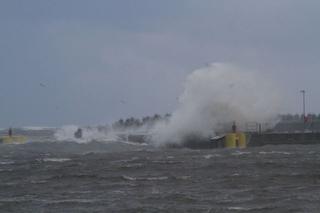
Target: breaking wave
{"x":217,"y":95}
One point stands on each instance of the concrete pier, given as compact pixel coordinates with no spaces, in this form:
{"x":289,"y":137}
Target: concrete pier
{"x":257,"y":139}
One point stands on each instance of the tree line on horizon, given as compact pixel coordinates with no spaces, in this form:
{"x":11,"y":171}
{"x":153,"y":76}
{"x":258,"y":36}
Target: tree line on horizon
{"x":147,"y":121}
{"x":299,"y":117}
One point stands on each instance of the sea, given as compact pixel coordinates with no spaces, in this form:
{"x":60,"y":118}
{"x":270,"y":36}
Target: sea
{"x":48,"y":174}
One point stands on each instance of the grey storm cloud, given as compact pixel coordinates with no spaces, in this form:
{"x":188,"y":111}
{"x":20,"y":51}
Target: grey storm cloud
{"x":102,"y":60}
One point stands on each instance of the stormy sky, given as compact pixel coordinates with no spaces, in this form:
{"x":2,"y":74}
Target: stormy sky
{"x":95,"y":61}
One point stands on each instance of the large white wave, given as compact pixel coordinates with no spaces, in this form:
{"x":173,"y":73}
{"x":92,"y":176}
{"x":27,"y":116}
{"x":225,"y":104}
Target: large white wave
{"x":220,"y":94}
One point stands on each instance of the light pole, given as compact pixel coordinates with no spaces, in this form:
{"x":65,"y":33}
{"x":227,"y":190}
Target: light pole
{"x":304,"y":104}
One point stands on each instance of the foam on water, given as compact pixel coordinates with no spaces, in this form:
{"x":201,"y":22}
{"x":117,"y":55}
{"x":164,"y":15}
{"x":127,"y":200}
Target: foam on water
{"x":60,"y":160}
{"x":209,"y":156}
{"x":240,"y":153}
{"x":177,"y":180}
{"x":66,"y":133}
{"x":6,"y":162}
{"x":126,"y":177}
{"x":275,"y":152}
{"x":37,"y":128}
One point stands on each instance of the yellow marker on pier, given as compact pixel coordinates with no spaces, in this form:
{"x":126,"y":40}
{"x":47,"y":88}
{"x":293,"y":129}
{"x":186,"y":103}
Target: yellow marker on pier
{"x":235,"y":140}
{"x":13,"y":139}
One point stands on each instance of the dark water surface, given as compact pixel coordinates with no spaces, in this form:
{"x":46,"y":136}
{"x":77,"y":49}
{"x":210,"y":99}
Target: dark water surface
{"x":119,"y":177}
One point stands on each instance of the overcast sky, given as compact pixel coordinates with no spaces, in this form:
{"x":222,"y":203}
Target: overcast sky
{"x":95,"y":61}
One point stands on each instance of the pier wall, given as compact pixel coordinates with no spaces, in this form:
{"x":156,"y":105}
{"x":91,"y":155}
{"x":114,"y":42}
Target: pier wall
{"x":257,"y":139}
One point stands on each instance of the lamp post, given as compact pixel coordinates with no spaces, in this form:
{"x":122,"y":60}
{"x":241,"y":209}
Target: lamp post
{"x":304,"y":111}
{"x":304,"y":104}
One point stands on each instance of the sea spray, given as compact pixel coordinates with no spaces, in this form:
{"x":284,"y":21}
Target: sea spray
{"x":66,"y":133}
{"x":217,"y":95}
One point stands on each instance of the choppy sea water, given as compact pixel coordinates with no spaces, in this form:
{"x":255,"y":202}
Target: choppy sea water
{"x":114,"y":176}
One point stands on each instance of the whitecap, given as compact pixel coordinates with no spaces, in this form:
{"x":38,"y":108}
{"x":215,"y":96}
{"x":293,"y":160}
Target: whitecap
{"x":90,"y":134}
{"x":60,"y":160}
{"x":133,"y":143}
{"x":240,"y":153}
{"x":275,"y":152}
{"x":145,"y":178}
{"x":133,"y":165}
{"x":129,"y":178}
{"x":6,"y":162}
{"x":157,"y":178}
{"x":71,"y":201}
{"x":238,"y":208}
{"x":37,"y":128}
{"x":38,"y":181}
{"x":211,"y":156}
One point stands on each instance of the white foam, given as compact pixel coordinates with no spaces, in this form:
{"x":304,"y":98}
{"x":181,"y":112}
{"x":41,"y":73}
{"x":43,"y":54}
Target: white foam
{"x":238,"y":208}
{"x":208,"y":156}
{"x":84,"y":201}
{"x":60,"y":160}
{"x":240,"y":153}
{"x":6,"y":162}
{"x":275,"y":152}
{"x":157,"y":178}
{"x":211,"y":156}
{"x":133,"y":143}
{"x":37,"y":128}
{"x":129,"y":178}
{"x":220,"y":94}
{"x":145,"y":178}
{"x":66,"y":133}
